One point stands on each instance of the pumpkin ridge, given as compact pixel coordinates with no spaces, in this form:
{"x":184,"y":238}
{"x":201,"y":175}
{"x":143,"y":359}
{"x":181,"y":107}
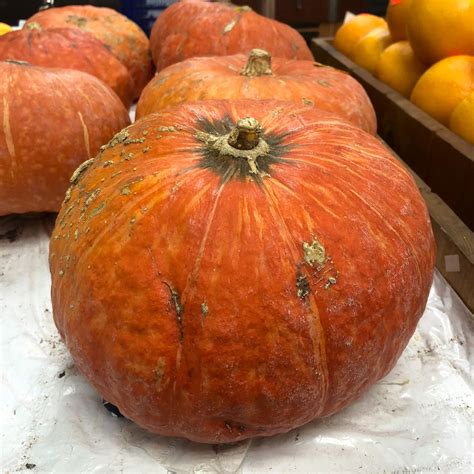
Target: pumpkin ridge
{"x":405,"y":241}
{"x":188,"y":294}
{"x":313,"y":319}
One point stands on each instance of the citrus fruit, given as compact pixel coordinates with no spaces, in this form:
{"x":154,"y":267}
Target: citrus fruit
{"x":441,"y":28}
{"x":399,"y":68}
{"x":462,"y":119}
{"x":368,"y":49}
{"x":445,"y":84}
{"x":353,"y":30}
{"x":397,"y":13}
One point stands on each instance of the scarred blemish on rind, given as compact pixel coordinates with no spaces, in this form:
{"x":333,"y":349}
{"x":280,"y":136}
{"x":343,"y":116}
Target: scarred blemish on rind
{"x":204,"y":309}
{"x":302,"y":285}
{"x":76,"y":176}
{"x":314,"y":253}
{"x":179,"y":308}
{"x":229,"y":27}
{"x":97,"y":209}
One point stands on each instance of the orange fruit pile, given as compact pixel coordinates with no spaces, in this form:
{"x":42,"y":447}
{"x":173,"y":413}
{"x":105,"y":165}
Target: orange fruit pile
{"x":425,"y":51}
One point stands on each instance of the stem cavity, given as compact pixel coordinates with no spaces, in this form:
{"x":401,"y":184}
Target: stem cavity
{"x":243,"y":142}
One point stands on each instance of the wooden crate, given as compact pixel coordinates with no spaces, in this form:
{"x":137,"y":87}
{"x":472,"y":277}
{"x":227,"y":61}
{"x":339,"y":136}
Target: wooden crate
{"x":441,"y":162}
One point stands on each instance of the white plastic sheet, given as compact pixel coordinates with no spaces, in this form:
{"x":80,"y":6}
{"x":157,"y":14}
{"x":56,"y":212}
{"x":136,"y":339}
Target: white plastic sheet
{"x":417,"y":419}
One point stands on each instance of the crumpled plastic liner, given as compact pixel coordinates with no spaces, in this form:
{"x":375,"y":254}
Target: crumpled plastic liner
{"x":417,"y":419}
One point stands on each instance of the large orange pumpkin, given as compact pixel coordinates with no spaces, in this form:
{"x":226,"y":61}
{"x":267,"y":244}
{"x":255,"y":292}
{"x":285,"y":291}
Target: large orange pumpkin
{"x":233,"y":77}
{"x":51,"y":120}
{"x":195,"y":28}
{"x":123,"y":37}
{"x":230,"y":269}
{"x":68,"y":48}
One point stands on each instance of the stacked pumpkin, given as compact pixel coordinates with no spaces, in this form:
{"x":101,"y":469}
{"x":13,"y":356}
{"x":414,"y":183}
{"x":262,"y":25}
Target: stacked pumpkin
{"x":247,"y":256}
{"x":68,"y":78}
{"x":425,"y":51}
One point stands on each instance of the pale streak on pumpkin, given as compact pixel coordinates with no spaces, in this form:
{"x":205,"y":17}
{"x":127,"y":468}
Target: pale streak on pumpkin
{"x":407,"y":242}
{"x":7,"y":128}
{"x":86,"y":134}
{"x":316,"y":331}
{"x":309,"y":187}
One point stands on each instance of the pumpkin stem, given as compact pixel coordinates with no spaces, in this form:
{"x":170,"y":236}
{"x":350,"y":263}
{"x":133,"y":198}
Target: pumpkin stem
{"x":242,"y":143}
{"x":246,"y":134}
{"x":258,"y":64}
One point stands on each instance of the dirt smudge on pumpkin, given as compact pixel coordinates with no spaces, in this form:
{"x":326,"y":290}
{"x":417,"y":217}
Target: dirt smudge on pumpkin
{"x":230,"y":26}
{"x":97,"y":210}
{"x":118,"y":138}
{"x":77,"y":20}
{"x":302,"y":285}
{"x":79,"y":173}
{"x":167,"y":129}
{"x":159,"y":372}
{"x":204,"y":309}
{"x":314,"y":253}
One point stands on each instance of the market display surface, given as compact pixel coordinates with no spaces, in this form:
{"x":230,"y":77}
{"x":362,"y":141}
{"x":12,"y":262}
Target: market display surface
{"x":416,"y":419}
{"x":242,"y":280}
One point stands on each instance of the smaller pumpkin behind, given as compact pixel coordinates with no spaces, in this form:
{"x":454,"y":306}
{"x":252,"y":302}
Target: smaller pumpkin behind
{"x":51,"y":121}
{"x":70,"y":49}
{"x":255,"y":77}
{"x":199,"y":28}
{"x":124,"y":38}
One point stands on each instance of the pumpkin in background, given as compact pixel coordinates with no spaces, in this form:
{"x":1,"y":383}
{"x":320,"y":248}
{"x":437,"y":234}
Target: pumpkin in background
{"x":353,"y":30}
{"x":51,"y":120}
{"x":189,"y":29}
{"x":239,"y":268}
{"x":121,"y":36}
{"x":71,"y":49}
{"x":234,"y":77}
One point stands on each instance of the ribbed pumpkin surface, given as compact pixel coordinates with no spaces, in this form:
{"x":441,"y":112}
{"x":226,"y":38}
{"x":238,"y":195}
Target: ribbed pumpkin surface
{"x":124,"y":38}
{"x":51,"y":120}
{"x":195,"y":28}
{"x":221,"y":293}
{"x":259,"y":77}
{"x":70,"y":49}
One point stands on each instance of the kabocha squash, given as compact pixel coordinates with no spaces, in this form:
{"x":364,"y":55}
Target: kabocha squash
{"x":68,"y":48}
{"x":234,"y":77}
{"x":124,"y":38}
{"x":195,"y":28}
{"x":230,"y":269}
{"x":51,"y":120}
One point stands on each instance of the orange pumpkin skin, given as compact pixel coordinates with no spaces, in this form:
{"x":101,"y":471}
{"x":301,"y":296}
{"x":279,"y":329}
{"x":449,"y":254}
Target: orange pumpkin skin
{"x":51,"y":120}
{"x":71,"y":49}
{"x":306,"y":82}
{"x":189,"y":29}
{"x":216,"y":304}
{"x":124,"y":38}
